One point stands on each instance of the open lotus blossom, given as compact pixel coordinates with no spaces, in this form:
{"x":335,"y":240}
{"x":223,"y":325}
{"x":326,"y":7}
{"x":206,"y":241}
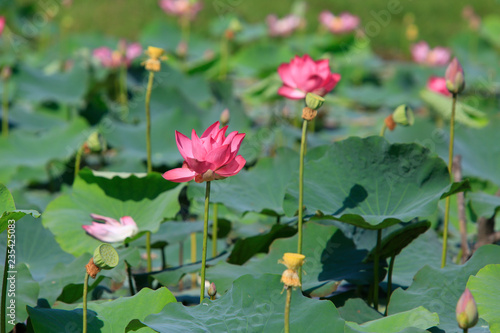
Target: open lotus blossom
{"x":111,"y":230}
{"x":283,"y":27}
{"x":2,"y":24}
{"x":182,"y":8}
{"x":304,"y":75}
{"x":340,"y":24}
{"x":423,"y":54}
{"x":209,"y":157}
{"x":116,"y":58}
{"x":438,"y":84}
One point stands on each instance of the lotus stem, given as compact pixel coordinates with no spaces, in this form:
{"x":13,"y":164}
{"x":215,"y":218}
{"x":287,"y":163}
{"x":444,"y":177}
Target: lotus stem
{"x":205,"y":237}
{"x":389,"y":281}
{"x":148,"y":121}
{"x":5,"y":111}
{"x":130,"y":280}
{"x":215,"y":227}
{"x":287,"y":309}
{"x":148,"y":251}
{"x":382,"y":131}
{"x":303,"y":143}
{"x":85,"y":291}
{"x":376,"y":268}
{"x":193,"y":257}
{"x":450,"y":165}
{"x":123,"y":91}
{"x":3,"y":312}
{"x":78,"y":160}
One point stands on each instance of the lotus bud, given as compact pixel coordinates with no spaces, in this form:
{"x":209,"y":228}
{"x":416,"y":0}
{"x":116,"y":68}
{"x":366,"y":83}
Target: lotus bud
{"x":466,"y":310}
{"x":93,"y":142}
{"x":105,"y":256}
{"x":224,"y":117}
{"x":455,"y":80}
{"x":403,"y":115}
{"x":314,"y":101}
{"x":235,"y":25}
{"x":212,"y":291}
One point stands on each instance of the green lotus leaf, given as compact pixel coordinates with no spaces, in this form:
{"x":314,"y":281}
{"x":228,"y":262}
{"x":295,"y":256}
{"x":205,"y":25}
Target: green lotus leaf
{"x":485,"y":287}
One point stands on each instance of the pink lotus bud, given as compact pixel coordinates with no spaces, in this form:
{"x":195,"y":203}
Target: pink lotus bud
{"x":455,"y":80}
{"x":209,"y":157}
{"x":466,"y":311}
{"x":212,"y":290}
{"x":304,"y":75}
{"x":224,"y":117}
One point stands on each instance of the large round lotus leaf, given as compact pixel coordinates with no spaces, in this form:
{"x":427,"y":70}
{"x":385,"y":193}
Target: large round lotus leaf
{"x":8,"y":209}
{"x":26,"y":291}
{"x":149,"y":200}
{"x":254,"y":304}
{"x":373,"y":184}
{"x":37,"y":86}
{"x":438,"y":290}
{"x":480,"y":154}
{"x":485,"y":287}
{"x":36,"y":150}
{"x":330,"y":257}
{"x":112,"y":316}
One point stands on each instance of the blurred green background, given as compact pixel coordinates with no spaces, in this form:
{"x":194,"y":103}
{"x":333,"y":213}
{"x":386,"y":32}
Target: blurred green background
{"x":436,"y":20}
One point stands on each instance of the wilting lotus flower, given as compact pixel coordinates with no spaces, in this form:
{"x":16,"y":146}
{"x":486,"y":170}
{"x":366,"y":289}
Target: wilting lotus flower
{"x":304,"y":75}
{"x":111,"y":230}
{"x":466,"y":310}
{"x":423,"y":54}
{"x":438,"y":84}
{"x":341,"y":24}
{"x":209,"y":157}
{"x":2,"y":24}
{"x":116,"y":58}
{"x":182,"y":8}
{"x":284,"y":26}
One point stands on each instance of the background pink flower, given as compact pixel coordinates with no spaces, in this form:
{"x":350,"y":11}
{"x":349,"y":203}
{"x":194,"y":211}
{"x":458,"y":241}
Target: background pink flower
{"x":438,"y":84}
{"x":209,"y":157}
{"x":111,"y":230}
{"x":2,"y":24}
{"x":186,"y":8}
{"x":116,"y":58}
{"x":423,"y":54}
{"x":284,"y":26}
{"x":304,"y":75}
{"x":343,"y":23}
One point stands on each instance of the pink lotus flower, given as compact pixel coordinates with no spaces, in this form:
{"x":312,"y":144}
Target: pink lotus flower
{"x":304,"y":75}
{"x":182,"y":8}
{"x":117,"y":58}
{"x":209,"y":157}
{"x":2,"y":24}
{"x":423,"y":54}
{"x":341,"y":24}
{"x":438,"y":84}
{"x":111,"y":230}
{"x":282,"y":27}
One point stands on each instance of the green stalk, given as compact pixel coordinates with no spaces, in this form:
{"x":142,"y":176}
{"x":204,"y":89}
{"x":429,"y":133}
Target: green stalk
{"x":382,"y":131}
{"x":5,"y":110}
{"x":389,"y":281}
{"x":287,"y":309}
{"x":148,"y":121}
{"x":123,"y":91}
{"x":85,"y":291}
{"x":215,"y":227}
{"x":205,"y":237}
{"x":301,"y":187}
{"x":78,"y":160}
{"x":193,"y":257}
{"x":375,"y":269}
{"x":3,"y":312}
{"x":450,"y":165}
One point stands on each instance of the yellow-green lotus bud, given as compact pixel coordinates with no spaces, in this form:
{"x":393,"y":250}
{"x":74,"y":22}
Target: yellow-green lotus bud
{"x":93,"y":142}
{"x":466,"y":310}
{"x":314,"y":101}
{"x":403,"y":115}
{"x":105,"y":256}
{"x":235,"y":25}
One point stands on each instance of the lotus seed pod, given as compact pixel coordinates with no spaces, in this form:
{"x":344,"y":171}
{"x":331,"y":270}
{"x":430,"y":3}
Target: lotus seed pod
{"x":154,"y":52}
{"x":293,"y":260}
{"x":403,"y":115}
{"x":105,"y":256}
{"x":314,"y":101}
